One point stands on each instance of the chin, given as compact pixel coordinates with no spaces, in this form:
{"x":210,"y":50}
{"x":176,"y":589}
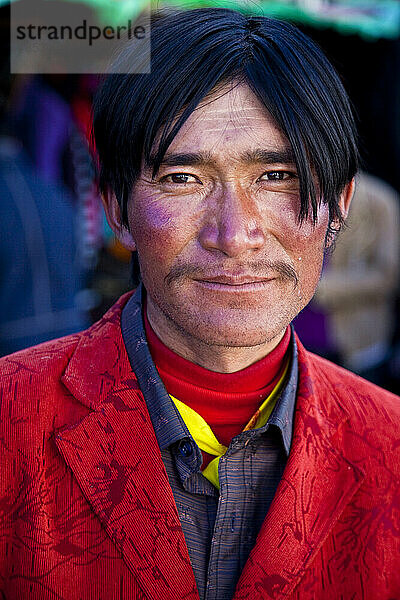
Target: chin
{"x":235,"y":332}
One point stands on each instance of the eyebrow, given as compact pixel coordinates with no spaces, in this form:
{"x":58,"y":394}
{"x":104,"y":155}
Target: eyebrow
{"x":182,"y":159}
{"x":257,"y":156}
{"x":269,"y":157}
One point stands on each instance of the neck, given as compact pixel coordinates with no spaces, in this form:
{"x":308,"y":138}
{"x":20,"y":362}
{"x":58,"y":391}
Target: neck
{"x":221,"y":359}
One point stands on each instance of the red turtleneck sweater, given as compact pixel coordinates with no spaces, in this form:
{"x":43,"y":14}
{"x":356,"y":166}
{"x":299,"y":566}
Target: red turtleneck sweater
{"x":226,"y":401}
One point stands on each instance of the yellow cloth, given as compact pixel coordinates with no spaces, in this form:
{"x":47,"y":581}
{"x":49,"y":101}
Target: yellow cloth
{"x":204,"y":437}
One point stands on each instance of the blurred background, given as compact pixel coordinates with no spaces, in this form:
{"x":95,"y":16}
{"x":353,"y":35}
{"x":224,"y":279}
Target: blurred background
{"x":60,"y":265}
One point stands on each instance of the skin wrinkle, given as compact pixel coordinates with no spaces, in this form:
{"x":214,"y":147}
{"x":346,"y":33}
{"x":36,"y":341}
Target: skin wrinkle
{"x":225,"y":216}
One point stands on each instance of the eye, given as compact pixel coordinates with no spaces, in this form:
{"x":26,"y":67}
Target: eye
{"x":180,"y":178}
{"x":277,"y":176}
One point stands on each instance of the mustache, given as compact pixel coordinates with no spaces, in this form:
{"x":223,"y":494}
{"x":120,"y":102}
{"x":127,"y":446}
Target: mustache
{"x":260,"y":268}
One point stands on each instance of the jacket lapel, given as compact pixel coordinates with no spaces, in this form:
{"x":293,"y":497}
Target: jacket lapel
{"x":317,"y":484}
{"x":114,"y":456}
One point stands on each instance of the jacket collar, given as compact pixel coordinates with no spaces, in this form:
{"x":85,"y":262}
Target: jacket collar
{"x":115,"y":458}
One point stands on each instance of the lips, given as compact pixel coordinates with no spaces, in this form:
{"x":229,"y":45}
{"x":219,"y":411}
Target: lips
{"x":234,"y":283}
{"x":234,"y":279}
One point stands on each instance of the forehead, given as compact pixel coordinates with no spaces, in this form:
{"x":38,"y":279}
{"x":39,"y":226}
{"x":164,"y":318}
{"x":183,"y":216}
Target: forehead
{"x":229,"y":122}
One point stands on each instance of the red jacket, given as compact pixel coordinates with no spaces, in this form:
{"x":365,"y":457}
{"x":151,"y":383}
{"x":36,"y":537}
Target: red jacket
{"x":87,"y":512}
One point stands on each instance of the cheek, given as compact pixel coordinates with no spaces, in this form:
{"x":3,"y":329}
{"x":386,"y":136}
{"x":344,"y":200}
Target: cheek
{"x":307,"y":239}
{"x":311,"y":252}
{"x":305,"y":246}
{"x":280,"y":216}
{"x":308,"y":244}
{"x":159,"y":232}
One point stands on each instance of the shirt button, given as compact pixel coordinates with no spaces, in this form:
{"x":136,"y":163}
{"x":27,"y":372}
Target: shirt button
{"x":185,"y":448}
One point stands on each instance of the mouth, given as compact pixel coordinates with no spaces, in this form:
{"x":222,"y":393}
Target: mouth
{"x":235,"y":283}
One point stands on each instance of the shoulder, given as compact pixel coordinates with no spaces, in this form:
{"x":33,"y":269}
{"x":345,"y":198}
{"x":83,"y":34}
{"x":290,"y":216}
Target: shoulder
{"x":35,"y":367}
{"x":33,"y":398}
{"x":38,"y":360}
{"x":343,"y":382}
{"x":48,"y":386}
{"x":356,"y":419}
{"x":46,"y":362}
{"x":371,"y":412}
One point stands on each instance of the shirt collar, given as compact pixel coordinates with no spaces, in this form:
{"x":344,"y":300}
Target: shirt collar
{"x":283,"y":413}
{"x":167,"y":422}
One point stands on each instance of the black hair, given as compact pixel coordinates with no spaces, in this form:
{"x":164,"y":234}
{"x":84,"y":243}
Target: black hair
{"x":196,"y":51}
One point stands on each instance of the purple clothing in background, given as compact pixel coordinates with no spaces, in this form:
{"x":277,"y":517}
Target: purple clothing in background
{"x":311,"y":327}
{"x":43,"y":121}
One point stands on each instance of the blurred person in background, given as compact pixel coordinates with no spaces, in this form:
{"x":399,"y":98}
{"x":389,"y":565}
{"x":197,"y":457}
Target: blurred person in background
{"x":187,"y":446}
{"x":351,"y":318}
{"x":358,"y":287}
{"x":42,"y":274}
{"x":52,"y":117}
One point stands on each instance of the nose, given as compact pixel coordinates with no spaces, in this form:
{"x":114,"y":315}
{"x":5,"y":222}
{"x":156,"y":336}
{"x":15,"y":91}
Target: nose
{"x":234,"y":225}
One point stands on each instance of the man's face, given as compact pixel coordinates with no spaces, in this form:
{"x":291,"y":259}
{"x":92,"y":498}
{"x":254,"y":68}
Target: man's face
{"x":223,"y":258}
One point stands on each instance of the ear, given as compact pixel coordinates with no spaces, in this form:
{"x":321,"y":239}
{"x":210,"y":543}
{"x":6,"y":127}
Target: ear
{"x":344,"y":205}
{"x":346,"y":198}
{"x":113,"y":214}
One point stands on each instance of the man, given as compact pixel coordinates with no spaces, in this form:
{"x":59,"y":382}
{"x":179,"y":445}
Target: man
{"x":187,"y":446}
